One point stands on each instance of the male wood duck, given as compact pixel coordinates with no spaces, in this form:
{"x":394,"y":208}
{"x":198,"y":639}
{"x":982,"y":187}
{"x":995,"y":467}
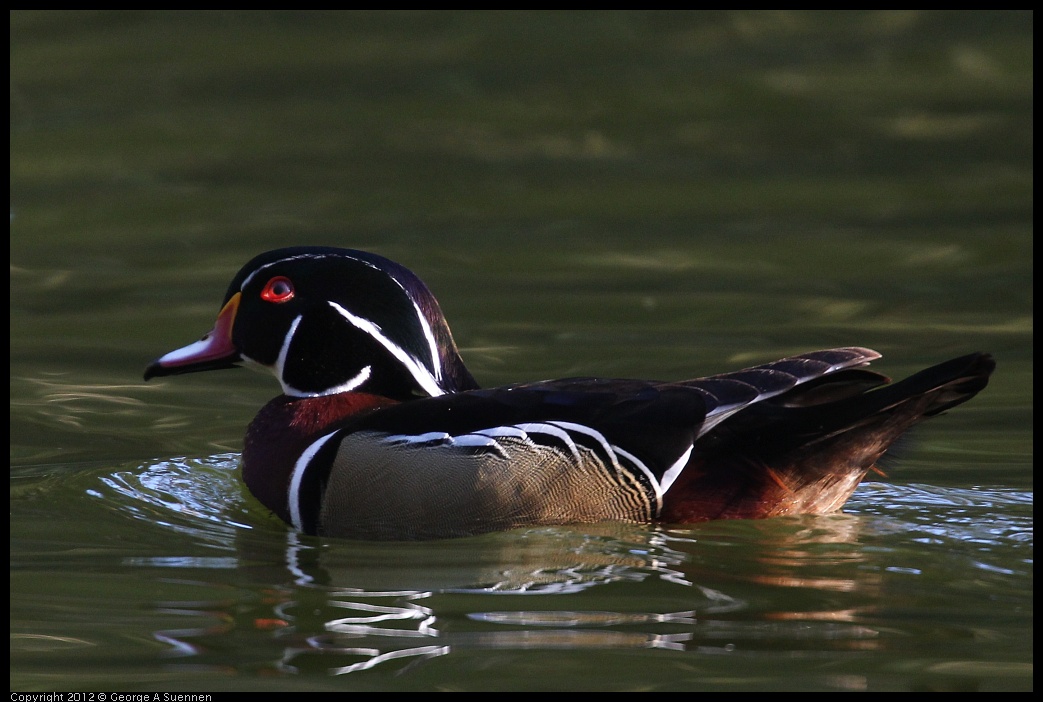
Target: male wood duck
{"x":382,"y":433}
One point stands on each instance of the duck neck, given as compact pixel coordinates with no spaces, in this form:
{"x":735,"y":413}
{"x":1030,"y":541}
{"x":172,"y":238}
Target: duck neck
{"x":283,"y":429}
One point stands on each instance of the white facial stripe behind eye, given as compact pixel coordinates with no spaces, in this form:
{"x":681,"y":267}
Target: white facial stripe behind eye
{"x":436,"y":362}
{"x":427,"y":381}
{"x":420,"y":374}
{"x":279,"y":367}
{"x":250,"y":277}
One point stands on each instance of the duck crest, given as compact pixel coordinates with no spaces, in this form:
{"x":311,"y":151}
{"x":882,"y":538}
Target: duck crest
{"x":383,"y":433}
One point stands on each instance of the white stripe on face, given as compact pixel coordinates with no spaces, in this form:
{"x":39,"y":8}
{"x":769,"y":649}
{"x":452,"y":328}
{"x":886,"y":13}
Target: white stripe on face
{"x":436,"y":363}
{"x":279,"y":370}
{"x":421,"y":375}
{"x":284,"y":260}
{"x":430,"y":383}
{"x":280,"y":362}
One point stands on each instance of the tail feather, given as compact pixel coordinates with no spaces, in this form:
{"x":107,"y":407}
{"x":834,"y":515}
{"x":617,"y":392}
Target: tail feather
{"x":805,"y":451}
{"x":924,"y":394}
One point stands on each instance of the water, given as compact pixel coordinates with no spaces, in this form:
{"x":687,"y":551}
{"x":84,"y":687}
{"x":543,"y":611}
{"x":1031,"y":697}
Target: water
{"x":630,"y":194}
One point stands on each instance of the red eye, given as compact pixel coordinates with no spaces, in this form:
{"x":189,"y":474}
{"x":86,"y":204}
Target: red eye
{"x":278,"y":289}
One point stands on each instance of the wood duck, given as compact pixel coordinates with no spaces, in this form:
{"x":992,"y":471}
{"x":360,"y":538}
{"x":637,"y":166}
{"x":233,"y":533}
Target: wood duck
{"x":382,"y":433}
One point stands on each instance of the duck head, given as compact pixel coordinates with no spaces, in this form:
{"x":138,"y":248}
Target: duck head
{"x":326,"y":321}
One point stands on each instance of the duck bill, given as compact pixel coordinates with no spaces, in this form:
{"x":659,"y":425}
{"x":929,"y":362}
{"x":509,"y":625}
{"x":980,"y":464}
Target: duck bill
{"x":213,"y":352}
